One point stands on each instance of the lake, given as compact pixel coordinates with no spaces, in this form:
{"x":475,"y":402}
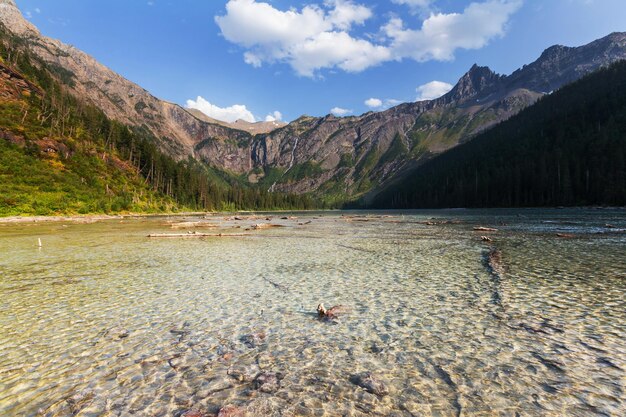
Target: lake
{"x":104,"y":321}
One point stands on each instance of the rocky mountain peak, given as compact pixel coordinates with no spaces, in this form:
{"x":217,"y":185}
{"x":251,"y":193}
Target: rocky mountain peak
{"x":12,"y":18}
{"x":559,"y":65}
{"x":477,"y":81}
{"x":554,"y":52}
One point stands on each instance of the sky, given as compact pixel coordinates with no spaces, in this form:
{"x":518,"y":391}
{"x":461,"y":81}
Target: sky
{"x":280,"y":59}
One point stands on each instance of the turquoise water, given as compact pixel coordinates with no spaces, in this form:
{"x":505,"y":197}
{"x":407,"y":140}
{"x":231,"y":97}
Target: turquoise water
{"x":104,"y":321}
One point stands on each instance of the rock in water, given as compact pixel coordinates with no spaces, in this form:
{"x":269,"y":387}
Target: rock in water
{"x":230,"y":411}
{"x":268,"y":382}
{"x":370,"y":383}
{"x":193,"y":413}
{"x":253,"y":340}
{"x":117,"y":333}
{"x":244,"y":373}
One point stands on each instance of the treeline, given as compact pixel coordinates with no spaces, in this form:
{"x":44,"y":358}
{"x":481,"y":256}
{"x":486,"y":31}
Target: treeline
{"x":86,"y":132}
{"x":568,"y":149}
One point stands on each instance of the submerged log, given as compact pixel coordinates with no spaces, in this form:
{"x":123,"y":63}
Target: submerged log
{"x":262,"y":226}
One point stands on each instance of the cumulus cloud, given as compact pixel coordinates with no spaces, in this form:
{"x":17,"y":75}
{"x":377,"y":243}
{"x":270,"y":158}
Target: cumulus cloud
{"x":309,"y":40}
{"x":338,"y":111}
{"x":432,"y":90}
{"x":415,"y":4}
{"x":275,"y":116}
{"x":442,"y":34}
{"x":374,"y":103}
{"x":225,"y":114}
{"x":378,"y":104}
{"x":318,"y":37}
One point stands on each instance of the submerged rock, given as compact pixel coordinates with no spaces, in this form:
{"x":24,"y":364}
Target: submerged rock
{"x":370,"y":383}
{"x":244,"y":373}
{"x":230,"y":411}
{"x":253,"y":340}
{"x":193,"y":413}
{"x":117,"y":333}
{"x":268,"y":382}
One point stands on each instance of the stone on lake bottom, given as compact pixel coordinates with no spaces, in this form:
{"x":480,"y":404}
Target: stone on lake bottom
{"x":370,"y":383}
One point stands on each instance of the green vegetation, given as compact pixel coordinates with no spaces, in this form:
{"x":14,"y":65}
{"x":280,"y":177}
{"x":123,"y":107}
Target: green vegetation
{"x":346,"y":161}
{"x":568,"y":149}
{"x":395,"y":151}
{"x":300,"y":171}
{"x":368,"y":162}
{"x":61,"y":155}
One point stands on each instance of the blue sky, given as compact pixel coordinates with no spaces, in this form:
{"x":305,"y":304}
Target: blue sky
{"x":311,"y":57}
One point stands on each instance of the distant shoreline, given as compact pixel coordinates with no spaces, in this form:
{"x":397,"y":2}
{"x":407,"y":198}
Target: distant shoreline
{"x":89,"y":218}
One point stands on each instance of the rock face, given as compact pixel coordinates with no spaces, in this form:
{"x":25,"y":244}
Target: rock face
{"x":329,"y":156}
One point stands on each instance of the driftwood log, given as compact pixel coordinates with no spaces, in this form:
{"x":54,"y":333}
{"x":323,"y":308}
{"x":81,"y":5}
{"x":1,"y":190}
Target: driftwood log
{"x":485,"y":229}
{"x":332,"y":313}
{"x":195,"y":234}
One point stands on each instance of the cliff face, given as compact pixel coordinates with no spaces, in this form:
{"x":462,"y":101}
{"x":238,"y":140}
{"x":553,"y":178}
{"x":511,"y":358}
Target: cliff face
{"x":119,"y":98}
{"x":330,"y":156}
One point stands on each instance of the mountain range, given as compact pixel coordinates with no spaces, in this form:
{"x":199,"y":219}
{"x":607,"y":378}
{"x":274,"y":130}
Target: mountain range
{"x":333,"y":158}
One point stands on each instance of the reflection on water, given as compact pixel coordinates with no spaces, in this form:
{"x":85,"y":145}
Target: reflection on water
{"x":104,"y":321}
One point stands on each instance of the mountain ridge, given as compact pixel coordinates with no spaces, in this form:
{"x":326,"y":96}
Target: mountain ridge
{"x":334,"y":157}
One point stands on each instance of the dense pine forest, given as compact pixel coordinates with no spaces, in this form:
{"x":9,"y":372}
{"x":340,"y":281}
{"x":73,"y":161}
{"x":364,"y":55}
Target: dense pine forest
{"x":568,"y":149}
{"x":61,"y":155}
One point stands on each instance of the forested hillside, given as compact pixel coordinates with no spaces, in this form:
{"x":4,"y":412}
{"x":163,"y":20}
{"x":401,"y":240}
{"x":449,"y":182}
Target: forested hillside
{"x":568,"y":149}
{"x":59,"y":154}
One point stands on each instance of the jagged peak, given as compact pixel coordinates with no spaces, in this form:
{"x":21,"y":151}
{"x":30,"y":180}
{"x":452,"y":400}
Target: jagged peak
{"x":479,"y":71}
{"x":617,"y":36}
{"x":12,"y":18}
{"x":554,"y":51}
{"x":475,"y":81}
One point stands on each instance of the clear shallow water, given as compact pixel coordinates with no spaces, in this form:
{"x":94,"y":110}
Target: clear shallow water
{"x":104,"y":321}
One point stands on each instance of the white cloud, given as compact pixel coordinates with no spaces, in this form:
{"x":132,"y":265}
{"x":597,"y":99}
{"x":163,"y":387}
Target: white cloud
{"x":225,"y":114}
{"x":310,"y":39}
{"x":378,"y":104}
{"x":338,"y":111}
{"x":37,"y":10}
{"x":416,"y":4}
{"x":345,"y":14}
{"x":321,"y":37}
{"x":374,"y":103}
{"x":275,"y":116}
{"x":442,"y":34}
{"x":432,"y":90}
